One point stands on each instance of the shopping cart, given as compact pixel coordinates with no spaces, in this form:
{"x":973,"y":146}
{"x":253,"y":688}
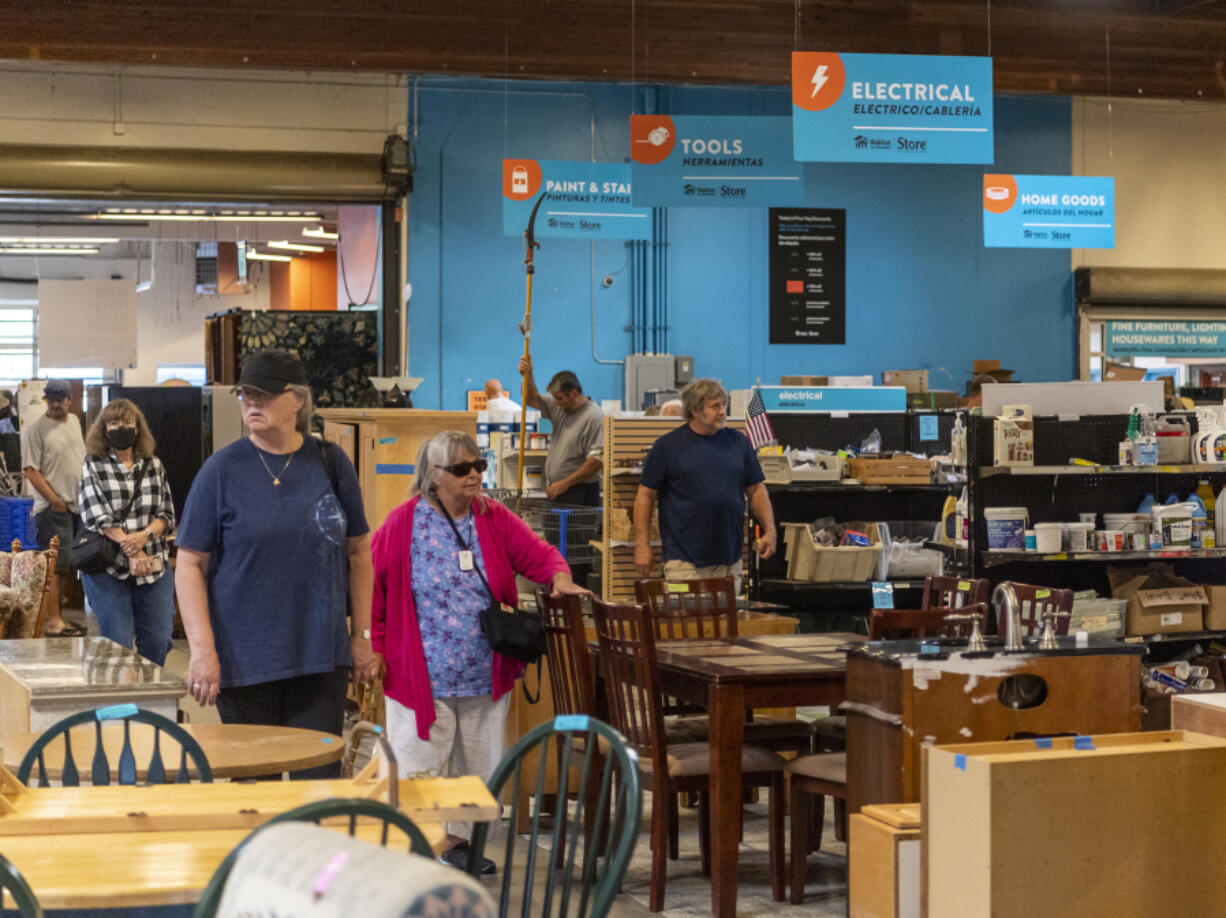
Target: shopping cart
{"x":571,"y":529}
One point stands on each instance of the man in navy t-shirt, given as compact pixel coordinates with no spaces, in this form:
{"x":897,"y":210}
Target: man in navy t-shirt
{"x":702,"y":474}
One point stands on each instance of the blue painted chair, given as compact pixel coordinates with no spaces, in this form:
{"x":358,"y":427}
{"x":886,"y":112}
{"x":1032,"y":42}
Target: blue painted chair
{"x":14,"y":883}
{"x":598,"y":868}
{"x":100,"y":767}
{"x":316,"y":812}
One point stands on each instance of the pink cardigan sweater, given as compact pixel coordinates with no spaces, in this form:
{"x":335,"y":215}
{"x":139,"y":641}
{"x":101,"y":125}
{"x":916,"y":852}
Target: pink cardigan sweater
{"x":508,"y":547}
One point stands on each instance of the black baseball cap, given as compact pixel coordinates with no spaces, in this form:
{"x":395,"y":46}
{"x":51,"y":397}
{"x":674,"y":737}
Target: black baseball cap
{"x":57,"y":388}
{"x":271,"y":371}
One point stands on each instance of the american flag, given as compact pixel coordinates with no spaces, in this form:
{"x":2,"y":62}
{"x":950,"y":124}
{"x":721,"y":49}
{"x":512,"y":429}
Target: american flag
{"x":757,"y":423}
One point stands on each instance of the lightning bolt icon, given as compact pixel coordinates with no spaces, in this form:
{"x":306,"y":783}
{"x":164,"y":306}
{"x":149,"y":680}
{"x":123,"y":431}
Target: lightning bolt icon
{"x":819,"y":79}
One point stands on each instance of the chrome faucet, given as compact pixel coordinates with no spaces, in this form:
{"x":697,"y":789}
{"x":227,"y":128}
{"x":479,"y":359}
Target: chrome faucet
{"x":975,"y":643}
{"x":1004,"y":597}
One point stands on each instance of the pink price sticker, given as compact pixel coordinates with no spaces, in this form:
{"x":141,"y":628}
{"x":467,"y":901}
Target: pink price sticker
{"x":328,"y":874}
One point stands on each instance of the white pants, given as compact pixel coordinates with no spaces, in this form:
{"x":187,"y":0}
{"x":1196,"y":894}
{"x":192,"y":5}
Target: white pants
{"x":684,"y":570}
{"x":468,"y":737}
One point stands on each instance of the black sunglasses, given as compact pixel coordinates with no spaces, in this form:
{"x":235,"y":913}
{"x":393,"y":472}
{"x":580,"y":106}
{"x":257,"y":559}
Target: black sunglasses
{"x":461,"y":469}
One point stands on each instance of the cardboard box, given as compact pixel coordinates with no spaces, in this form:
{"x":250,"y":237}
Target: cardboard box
{"x":1158,"y":608}
{"x":1215,"y":612}
{"x":1117,"y":372}
{"x":1013,"y":437}
{"x":899,"y":468}
{"x":1099,"y":825}
{"x":911,"y":380}
{"x":933,"y":400}
{"x":804,"y":380}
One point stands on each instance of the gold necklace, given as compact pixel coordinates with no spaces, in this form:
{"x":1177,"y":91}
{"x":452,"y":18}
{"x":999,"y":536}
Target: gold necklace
{"x":276,"y":479}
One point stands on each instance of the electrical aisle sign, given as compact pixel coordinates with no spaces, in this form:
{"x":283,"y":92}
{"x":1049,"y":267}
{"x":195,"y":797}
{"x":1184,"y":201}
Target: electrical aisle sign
{"x":1048,"y":211}
{"x":891,"y":108}
{"x":833,"y":398}
{"x":583,"y":200}
{"x":698,"y":161}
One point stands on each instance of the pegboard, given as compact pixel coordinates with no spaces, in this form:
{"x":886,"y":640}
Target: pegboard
{"x":833,"y":432}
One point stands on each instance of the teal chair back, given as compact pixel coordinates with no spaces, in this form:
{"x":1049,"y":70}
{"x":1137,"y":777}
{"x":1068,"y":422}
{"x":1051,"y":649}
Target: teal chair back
{"x":126,"y":770}
{"x":597,"y":869}
{"x":352,"y":807}
{"x":17,"y":887}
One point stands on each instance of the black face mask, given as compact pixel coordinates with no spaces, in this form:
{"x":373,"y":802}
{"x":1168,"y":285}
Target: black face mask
{"x":121,"y":437}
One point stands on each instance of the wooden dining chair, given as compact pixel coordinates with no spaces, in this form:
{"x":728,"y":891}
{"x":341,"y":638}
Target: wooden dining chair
{"x":904,"y":624}
{"x":584,"y":877}
{"x":349,"y":808}
{"x":126,"y":768}
{"x":706,"y":608}
{"x":12,"y":882}
{"x":628,"y":664}
{"x":953,"y":592}
{"x":572,"y":683}
{"x":1033,"y":601}
{"x":818,"y":776}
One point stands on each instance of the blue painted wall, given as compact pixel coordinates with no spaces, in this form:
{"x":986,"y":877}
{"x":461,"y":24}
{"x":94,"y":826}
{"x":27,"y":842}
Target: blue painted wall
{"x":922,"y":291}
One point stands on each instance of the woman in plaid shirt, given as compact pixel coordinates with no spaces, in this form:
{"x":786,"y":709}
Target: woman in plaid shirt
{"x":133,"y":597}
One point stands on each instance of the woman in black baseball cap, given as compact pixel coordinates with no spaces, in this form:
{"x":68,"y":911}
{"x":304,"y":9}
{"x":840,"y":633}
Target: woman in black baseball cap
{"x":274,"y":550}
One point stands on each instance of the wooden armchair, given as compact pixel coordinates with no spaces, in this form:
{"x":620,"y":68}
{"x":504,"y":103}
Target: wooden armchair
{"x":27,"y":588}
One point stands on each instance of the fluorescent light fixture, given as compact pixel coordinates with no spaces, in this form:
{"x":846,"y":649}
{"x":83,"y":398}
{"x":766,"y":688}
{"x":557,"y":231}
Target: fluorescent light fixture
{"x":267,"y":256}
{"x":48,"y":250}
{"x":56,"y":240}
{"x":294,"y":246}
{"x":318,"y":232}
{"x":195,"y":215}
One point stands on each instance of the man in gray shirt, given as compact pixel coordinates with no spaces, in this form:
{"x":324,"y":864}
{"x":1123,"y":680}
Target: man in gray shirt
{"x":52,"y":456}
{"x":576,"y":446}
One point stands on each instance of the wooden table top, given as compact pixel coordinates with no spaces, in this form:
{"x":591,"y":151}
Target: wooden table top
{"x":767,"y":657}
{"x":60,"y":841}
{"x":233,"y":750}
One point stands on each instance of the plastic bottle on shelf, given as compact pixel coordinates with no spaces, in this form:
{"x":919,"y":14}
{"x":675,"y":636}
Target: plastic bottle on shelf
{"x":1145,"y":444}
{"x":957,"y":442}
{"x":1219,"y":521}
{"x":962,"y":524}
{"x":1200,"y":521}
{"x":1147,"y":504}
{"x":1204,"y":491}
{"x":949,"y":521}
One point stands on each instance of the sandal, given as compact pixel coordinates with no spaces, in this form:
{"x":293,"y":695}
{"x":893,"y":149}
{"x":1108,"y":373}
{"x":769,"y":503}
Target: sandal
{"x":69,"y":630}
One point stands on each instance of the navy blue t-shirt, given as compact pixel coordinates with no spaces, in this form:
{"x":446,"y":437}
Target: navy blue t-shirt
{"x":278,"y":571}
{"x":701,"y":484}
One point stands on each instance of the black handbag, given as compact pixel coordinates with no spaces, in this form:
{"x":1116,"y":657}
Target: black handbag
{"x":513,"y":634}
{"x":92,"y":552}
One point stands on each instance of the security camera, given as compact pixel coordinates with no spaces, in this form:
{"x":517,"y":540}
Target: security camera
{"x":608,"y":280}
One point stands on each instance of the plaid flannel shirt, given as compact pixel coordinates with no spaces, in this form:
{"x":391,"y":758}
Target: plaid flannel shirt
{"x":106,"y":488}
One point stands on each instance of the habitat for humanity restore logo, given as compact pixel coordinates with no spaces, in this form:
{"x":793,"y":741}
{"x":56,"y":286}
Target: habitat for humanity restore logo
{"x":818,"y":78}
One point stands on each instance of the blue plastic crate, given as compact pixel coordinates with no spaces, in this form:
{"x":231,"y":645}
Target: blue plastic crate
{"x":17,"y":522}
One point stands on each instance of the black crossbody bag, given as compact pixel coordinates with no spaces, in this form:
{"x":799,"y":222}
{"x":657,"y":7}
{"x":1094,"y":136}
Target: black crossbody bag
{"x":92,"y":552}
{"x":517,"y":635}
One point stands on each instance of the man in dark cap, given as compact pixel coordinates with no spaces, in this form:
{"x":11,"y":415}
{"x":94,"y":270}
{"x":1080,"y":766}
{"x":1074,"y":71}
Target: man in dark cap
{"x":52,"y":454}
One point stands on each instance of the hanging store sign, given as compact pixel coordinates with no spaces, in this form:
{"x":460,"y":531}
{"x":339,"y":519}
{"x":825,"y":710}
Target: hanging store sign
{"x":808,"y":276}
{"x":834,"y":398}
{"x":891,"y":108}
{"x":1190,"y":338}
{"x":583,"y":200}
{"x":713,"y":162}
{"x":1049,"y":211}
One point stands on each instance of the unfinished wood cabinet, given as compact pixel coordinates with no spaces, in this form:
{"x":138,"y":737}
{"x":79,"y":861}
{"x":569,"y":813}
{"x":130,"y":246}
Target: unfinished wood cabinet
{"x":883,"y":862}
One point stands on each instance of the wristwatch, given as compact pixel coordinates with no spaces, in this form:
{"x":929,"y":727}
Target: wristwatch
{"x":148,"y":532}
{"x":364,"y":634}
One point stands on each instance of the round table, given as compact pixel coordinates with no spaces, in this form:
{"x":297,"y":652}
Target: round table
{"x":233,"y":750}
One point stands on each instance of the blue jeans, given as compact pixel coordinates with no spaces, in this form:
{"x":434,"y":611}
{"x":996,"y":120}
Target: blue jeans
{"x":125,"y":606}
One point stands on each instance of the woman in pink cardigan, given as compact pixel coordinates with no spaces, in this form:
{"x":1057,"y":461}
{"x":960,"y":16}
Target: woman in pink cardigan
{"x":446,"y":690}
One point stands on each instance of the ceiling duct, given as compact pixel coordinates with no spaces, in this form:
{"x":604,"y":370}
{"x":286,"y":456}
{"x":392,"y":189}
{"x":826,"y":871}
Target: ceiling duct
{"x":170,"y":174}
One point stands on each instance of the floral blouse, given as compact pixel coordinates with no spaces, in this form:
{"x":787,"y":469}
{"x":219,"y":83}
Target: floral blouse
{"x":449,"y":603}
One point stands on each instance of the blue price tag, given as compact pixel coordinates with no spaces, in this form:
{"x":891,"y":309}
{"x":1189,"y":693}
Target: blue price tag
{"x":116,"y":712}
{"x":929,"y":428}
{"x":883,"y":595}
{"x":571,"y":722}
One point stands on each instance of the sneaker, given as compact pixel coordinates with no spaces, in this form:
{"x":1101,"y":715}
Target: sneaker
{"x":457,"y":857}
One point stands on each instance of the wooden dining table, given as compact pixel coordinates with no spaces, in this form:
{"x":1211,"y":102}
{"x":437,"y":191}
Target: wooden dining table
{"x":233,"y":750}
{"x":123,"y":847}
{"x":730,"y":676}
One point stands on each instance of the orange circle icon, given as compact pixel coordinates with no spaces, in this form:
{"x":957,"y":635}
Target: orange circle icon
{"x":818,"y":78}
{"x":652,"y":138}
{"x":999,"y":193}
